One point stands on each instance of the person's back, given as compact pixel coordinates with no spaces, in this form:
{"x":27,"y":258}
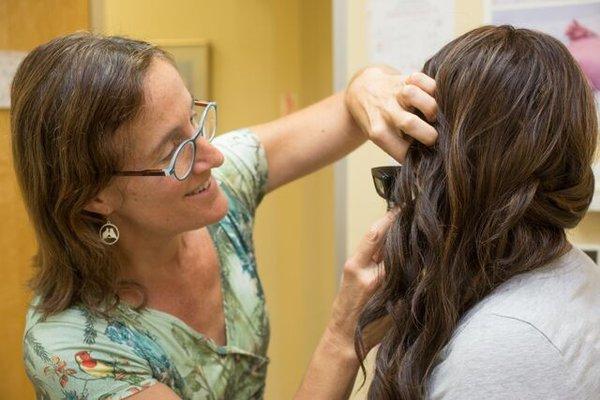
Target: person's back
{"x":488,"y":298}
{"x":537,"y":336}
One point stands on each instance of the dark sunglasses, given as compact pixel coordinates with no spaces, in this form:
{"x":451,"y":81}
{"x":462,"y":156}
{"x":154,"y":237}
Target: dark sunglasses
{"x":384,"y":178}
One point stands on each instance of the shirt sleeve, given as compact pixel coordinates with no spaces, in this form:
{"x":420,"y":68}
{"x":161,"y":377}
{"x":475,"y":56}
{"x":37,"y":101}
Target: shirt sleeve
{"x":244,"y":172}
{"x":69,"y":358}
{"x":499,"y":357}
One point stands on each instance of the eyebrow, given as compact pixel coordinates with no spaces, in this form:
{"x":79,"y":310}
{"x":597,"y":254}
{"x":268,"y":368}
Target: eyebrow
{"x":171,"y":135}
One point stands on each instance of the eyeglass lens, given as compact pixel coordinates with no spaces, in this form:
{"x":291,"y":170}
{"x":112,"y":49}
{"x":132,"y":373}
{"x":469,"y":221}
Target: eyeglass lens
{"x":184,"y":161}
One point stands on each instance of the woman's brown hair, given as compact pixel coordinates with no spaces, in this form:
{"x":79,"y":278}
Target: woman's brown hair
{"x":510,"y":172}
{"x":68,"y":97}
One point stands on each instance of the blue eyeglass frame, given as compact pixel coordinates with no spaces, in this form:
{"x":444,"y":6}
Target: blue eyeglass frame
{"x":169,"y":170}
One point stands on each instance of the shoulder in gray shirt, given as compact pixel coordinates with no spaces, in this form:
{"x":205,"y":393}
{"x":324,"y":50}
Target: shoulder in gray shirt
{"x":537,"y":336}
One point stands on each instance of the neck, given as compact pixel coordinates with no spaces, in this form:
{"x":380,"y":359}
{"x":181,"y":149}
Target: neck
{"x":145,"y":256}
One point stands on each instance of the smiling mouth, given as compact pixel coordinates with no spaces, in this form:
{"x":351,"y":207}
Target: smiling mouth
{"x":201,"y":188}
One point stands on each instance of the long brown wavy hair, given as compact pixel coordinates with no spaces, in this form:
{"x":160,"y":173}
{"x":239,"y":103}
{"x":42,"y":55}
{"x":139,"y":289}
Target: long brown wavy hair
{"x":68,"y":97}
{"x":510,"y":172}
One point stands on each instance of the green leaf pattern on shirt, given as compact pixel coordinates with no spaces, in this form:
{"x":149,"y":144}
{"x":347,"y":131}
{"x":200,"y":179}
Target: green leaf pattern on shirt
{"x":77,"y":355}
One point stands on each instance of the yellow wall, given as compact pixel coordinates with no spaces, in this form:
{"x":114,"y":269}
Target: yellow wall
{"x":23,"y":25}
{"x":261,"y":50}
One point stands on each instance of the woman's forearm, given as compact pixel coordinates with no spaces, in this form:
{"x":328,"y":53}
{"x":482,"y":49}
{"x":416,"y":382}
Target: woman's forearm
{"x":331,"y":372}
{"x":333,"y":367}
{"x":309,"y":139}
{"x":377,"y":105}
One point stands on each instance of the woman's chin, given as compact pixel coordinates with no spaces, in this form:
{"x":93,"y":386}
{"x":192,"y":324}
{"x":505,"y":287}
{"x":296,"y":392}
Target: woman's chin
{"x":220,"y":208}
{"x":215,"y":212}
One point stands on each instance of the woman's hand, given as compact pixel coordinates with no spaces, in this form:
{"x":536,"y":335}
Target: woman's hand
{"x":362,"y":274}
{"x":334,"y":364}
{"x":382,"y":102}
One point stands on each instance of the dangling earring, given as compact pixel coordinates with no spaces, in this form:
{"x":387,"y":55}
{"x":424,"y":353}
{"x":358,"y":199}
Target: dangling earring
{"x":109,"y":233}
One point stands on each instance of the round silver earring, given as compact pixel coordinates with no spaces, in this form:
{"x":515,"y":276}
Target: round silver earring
{"x":109,"y":233}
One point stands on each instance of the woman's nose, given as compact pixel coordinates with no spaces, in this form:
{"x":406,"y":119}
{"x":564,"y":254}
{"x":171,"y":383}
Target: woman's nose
{"x":207,"y":156}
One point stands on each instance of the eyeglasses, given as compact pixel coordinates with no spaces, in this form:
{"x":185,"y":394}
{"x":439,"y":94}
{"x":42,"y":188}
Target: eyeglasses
{"x":182,"y":161}
{"x":384,"y":179}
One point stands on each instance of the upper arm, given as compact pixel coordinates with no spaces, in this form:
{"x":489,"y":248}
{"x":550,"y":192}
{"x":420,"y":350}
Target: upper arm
{"x":309,"y":139}
{"x":72,"y":358}
{"x":245,"y":171}
{"x":158,"y":391}
{"x":498,"y":357}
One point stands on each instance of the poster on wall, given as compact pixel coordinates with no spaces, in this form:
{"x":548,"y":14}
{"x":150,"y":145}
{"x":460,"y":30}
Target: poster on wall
{"x":576,"y":23}
{"x":9,"y":61}
{"x":405,"y":33}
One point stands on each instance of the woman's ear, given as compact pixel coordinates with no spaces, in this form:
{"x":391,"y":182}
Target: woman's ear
{"x":104,"y":203}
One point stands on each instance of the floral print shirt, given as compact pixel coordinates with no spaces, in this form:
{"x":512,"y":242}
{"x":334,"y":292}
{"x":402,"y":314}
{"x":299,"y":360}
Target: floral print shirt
{"x":75,"y":355}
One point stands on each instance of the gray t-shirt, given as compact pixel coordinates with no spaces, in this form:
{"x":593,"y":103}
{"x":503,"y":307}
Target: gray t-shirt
{"x":537,"y":336}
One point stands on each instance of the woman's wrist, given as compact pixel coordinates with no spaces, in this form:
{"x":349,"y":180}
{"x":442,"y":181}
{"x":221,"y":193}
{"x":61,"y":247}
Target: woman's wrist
{"x":354,"y":128}
{"x":339,"y":344}
{"x":332,"y":369}
{"x":359,"y":93}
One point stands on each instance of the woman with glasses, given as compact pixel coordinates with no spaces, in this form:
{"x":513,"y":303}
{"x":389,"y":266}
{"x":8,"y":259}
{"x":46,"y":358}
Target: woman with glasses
{"x":488,"y":298}
{"x":145,"y":281}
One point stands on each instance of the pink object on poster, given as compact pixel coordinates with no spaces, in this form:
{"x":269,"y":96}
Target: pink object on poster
{"x":585,"y":47}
